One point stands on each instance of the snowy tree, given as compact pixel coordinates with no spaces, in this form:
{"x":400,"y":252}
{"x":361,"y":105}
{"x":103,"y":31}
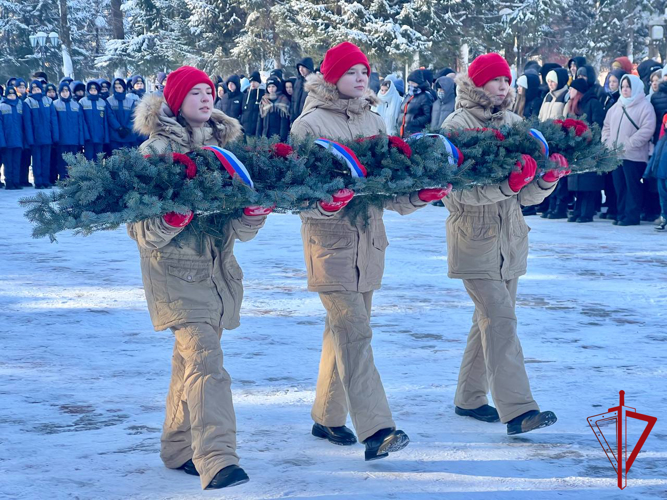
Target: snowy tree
{"x":157,"y":38}
{"x":213,"y":26}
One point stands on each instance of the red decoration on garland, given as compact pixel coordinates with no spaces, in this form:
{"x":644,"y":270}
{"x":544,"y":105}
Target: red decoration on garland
{"x":281,"y":150}
{"x":190,"y":165}
{"x":496,"y":132}
{"x":400,"y":144}
{"x":394,"y":142}
{"x":580,"y":128}
{"x":185,"y":160}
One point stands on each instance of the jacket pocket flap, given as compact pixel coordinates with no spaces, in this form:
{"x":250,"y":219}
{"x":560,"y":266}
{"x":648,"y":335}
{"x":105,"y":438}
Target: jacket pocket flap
{"x":331,"y":241}
{"x":380,"y":242}
{"x":190,"y":275}
{"x":479,"y":232}
{"x":234,"y":270}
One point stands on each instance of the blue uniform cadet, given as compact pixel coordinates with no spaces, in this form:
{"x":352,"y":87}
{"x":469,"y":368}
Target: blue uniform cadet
{"x":96,"y":132}
{"x":71,"y":127}
{"x":15,"y":136}
{"x":41,"y":117}
{"x":121,"y":116}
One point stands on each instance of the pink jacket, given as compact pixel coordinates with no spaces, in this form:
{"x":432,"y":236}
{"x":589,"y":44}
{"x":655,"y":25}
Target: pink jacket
{"x":620,"y":130}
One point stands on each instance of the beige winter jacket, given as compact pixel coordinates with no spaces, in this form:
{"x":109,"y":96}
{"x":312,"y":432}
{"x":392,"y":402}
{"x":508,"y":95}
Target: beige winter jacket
{"x":487,"y":237}
{"x":553,"y":106}
{"x":618,"y":129}
{"x":185,"y":284}
{"x":340,"y":255}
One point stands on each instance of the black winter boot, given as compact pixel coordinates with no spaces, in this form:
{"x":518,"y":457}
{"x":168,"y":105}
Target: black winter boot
{"x":383,"y":442}
{"x":232,"y":475}
{"x":337,"y":435}
{"x":485,"y":413}
{"x":530,"y":421}
{"x":189,"y":468}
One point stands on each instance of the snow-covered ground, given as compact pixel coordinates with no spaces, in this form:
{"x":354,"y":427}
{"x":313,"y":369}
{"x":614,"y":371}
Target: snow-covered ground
{"x":83,"y":376}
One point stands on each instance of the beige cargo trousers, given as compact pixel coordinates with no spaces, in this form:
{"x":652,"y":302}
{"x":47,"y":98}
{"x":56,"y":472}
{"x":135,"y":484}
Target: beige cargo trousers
{"x":493,"y":357}
{"x":200,"y":422}
{"x":348,"y":379}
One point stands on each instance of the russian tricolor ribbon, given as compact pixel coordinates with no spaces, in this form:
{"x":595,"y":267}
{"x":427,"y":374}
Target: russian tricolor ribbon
{"x":231,"y":163}
{"x":455,"y":156}
{"x":540,"y":138}
{"x":345,"y":154}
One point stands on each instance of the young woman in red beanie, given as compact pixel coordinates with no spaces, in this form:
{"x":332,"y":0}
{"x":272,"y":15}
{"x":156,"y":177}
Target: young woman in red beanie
{"x":487,"y":247}
{"x":194,"y":287}
{"x":345,"y":262}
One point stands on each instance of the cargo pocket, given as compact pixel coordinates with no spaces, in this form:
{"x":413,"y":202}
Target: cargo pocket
{"x":477,"y":249}
{"x":190,"y":288}
{"x":332,"y":259}
{"x":519,"y":246}
{"x":375,"y":268}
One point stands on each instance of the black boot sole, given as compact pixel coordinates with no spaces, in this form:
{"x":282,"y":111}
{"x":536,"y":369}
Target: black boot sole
{"x":549,"y":420}
{"x":323,"y":435}
{"x":471,"y":413}
{"x":396,"y":442}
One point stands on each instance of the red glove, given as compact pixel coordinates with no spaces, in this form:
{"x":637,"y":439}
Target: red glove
{"x":434,"y":194}
{"x":520,"y":178}
{"x":178,"y":220}
{"x":557,"y":173}
{"x":340,"y":200}
{"x":256,"y":210}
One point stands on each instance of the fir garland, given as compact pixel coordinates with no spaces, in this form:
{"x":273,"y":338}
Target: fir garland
{"x":128,"y":187}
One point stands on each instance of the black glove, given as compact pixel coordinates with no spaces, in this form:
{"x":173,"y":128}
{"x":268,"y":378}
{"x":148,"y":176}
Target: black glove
{"x":124,"y":132}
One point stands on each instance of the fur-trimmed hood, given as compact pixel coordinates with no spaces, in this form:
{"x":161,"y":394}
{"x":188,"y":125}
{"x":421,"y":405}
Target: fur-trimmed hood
{"x":155,"y":119}
{"x":324,"y":95}
{"x":476,"y":101}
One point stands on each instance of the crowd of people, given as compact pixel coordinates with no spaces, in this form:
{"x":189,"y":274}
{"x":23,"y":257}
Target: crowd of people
{"x":39,"y":122}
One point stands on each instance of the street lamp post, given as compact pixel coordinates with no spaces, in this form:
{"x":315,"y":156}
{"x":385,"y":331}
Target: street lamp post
{"x":40,"y":41}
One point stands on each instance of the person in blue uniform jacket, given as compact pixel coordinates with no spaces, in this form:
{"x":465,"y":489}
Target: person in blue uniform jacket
{"x":120,"y":116}
{"x":16,"y":135}
{"x":71,"y":127}
{"x":96,"y":132}
{"x":41,"y":117}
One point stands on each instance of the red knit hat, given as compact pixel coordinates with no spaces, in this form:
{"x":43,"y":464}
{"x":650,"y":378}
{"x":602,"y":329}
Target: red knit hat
{"x":180,"y":82}
{"x":339,"y":59}
{"x":487,"y":67}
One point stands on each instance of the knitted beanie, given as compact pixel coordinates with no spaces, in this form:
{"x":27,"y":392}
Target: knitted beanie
{"x":341,"y":58}
{"x":180,"y":82}
{"x":487,"y":67}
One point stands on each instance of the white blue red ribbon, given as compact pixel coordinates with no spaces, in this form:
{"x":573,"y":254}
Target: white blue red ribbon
{"x":455,"y":155}
{"x":345,"y":154}
{"x":540,"y":138}
{"x":232,"y":164}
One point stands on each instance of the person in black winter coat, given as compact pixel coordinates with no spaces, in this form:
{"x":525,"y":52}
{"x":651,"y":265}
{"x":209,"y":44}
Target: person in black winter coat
{"x":304,"y":68}
{"x":529,"y":100}
{"x":532,"y":67}
{"x":645,"y":70}
{"x":252,"y":98}
{"x":588,"y":73}
{"x":416,"y":106}
{"x":659,"y":101}
{"x":274,"y":111}
{"x":612,"y":88}
{"x":231,"y":102}
{"x":573,"y":65}
{"x":585,"y":105}
{"x":428,"y":78}
{"x":544,"y":71}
